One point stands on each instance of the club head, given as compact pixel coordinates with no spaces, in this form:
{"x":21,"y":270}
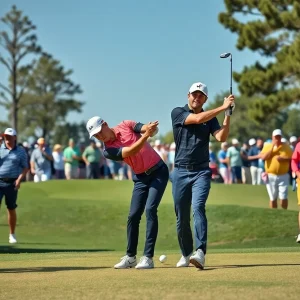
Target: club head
{"x":225,"y":55}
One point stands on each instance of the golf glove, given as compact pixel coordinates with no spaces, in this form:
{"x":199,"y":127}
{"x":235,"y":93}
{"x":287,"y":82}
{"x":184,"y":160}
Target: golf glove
{"x":229,"y":111}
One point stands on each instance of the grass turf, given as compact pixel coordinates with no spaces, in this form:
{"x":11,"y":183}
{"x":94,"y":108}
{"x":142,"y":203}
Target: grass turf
{"x":71,"y":234}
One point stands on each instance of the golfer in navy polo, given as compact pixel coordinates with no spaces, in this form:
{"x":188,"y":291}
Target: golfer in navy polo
{"x":13,"y":168}
{"x":192,"y":127}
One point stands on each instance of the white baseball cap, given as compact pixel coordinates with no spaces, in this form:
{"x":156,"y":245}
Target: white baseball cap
{"x":283,"y":140}
{"x":293,"y":139}
{"x":224,"y":144}
{"x":252,"y":142}
{"x":10,"y":131}
{"x":277,"y":132}
{"x":234,"y":142}
{"x":94,"y":125}
{"x":199,"y":86}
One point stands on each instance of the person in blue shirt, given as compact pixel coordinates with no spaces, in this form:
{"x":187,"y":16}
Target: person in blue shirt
{"x":256,"y":164}
{"x":191,"y":178}
{"x":13,"y":169}
{"x":223,"y":166}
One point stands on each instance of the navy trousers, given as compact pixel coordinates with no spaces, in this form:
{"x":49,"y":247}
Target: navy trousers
{"x":191,"y":188}
{"x":147,"y":194}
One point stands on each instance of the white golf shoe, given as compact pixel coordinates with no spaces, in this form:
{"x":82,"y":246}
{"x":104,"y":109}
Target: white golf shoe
{"x":12,"y":239}
{"x":126,"y":262}
{"x":184,"y":261}
{"x":145,"y":263}
{"x":198,"y":259}
{"x":298,"y":238}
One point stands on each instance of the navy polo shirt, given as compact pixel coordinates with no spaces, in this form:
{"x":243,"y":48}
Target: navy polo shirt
{"x":192,"y":141}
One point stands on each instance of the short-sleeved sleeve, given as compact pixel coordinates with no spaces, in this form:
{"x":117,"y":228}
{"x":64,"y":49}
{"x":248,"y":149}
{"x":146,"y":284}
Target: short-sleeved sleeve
{"x":214,"y":125}
{"x":266,"y":148}
{"x":178,"y":116}
{"x":129,"y":123}
{"x":135,"y":126}
{"x":113,"y":153}
{"x":228,"y":153}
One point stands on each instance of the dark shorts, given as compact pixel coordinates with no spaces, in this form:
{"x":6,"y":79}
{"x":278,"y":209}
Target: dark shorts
{"x":10,"y":194}
{"x":236,"y":173}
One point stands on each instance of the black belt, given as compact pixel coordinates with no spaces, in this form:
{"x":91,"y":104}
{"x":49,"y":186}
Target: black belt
{"x":8,"y":180}
{"x":193,"y":167}
{"x":154,"y":168}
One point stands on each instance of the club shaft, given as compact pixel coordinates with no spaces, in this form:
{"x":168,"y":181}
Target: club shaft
{"x":230,"y":74}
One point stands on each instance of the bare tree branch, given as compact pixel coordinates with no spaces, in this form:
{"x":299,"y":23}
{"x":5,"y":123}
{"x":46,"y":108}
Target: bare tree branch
{"x":5,"y":88}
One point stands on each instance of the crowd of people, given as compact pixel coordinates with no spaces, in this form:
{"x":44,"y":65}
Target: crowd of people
{"x":234,"y":162}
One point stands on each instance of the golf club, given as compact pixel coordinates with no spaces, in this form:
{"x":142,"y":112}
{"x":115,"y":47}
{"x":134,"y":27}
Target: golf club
{"x":225,"y":55}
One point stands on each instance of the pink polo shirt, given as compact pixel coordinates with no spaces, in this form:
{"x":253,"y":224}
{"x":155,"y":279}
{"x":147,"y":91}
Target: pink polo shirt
{"x":145,"y":159}
{"x":296,"y":159}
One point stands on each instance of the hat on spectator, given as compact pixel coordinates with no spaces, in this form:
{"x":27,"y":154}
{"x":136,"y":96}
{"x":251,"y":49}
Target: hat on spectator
{"x":293,"y":139}
{"x":252,"y":142}
{"x":56,"y":147}
{"x":277,"y":132}
{"x":41,"y":141}
{"x":199,"y":86}
{"x":157,"y":143}
{"x":234,"y":142}
{"x":10,"y":131}
{"x":283,"y":140}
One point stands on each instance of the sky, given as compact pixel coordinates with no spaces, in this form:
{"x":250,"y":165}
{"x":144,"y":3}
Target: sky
{"x":135,"y":59}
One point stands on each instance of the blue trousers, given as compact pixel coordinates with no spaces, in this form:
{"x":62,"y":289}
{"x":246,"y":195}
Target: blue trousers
{"x":147,"y":194}
{"x":191,"y":188}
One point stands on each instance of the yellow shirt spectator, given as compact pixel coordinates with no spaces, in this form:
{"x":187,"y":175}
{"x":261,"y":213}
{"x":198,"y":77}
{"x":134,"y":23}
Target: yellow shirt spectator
{"x":272,"y":165}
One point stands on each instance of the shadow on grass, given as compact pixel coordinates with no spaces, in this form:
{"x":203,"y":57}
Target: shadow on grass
{"x":14,"y":250}
{"x":249,"y":266}
{"x":48,"y":269}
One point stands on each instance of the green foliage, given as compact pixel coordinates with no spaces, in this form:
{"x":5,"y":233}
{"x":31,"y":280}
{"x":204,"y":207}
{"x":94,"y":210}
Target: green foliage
{"x":243,"y":126}
{"x":19,"y":41}
{"x":49,"y":98}
{"x":53,"y":211}
{"x":76,"y":131}
{"x":272,"y":29}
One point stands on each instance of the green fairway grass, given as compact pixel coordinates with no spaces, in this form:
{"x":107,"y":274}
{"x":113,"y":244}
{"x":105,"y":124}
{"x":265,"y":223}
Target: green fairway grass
{"x":92,"y":215}
{"x":71,"y":233}
{"x":90,"y":276}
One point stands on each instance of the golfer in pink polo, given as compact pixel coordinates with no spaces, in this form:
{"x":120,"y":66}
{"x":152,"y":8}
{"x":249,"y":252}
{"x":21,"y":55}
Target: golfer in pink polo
{"x":128,"y":142}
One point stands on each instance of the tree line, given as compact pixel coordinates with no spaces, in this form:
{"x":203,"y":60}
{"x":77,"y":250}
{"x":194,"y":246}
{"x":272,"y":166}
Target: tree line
{"x":269,"y":93}
{"x":39,"y":93}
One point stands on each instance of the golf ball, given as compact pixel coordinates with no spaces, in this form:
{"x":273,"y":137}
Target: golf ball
{"x":162,"y":258}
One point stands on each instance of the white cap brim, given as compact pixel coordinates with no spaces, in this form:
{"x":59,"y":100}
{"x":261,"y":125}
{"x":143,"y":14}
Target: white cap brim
{"x":96,"y":130}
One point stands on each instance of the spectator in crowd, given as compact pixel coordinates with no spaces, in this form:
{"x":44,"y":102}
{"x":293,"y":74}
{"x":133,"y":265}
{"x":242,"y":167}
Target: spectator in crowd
{"x":234,"y":161}
{"x":92,"y":156}
{"x":171,"y":156}
{"x":159,"y":148}
{"x":40,"y":162}
{"x":296,"y":173}
{"x":277,"y":158}
{"x":82,"y":172}
{"x":13,"y":168}
{"x":29,"y":176}
{"x":246,"y":175}
{"x":58,"y":159}
{"x":293,"y":142}
{"x":253,"y":157}
{"x":223,"y":166}
{"x":71,"y":159}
